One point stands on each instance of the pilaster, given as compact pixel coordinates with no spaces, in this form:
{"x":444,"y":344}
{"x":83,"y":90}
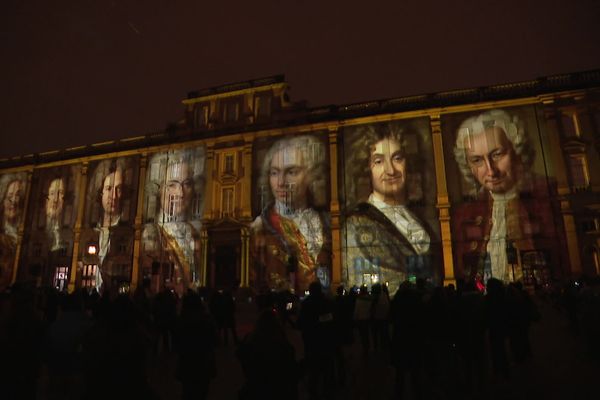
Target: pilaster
{"x":137,"y":248}
{"x":557,"y":159}
{"x":209,"y":200}
{"x":334,"y":207}
{"x":571,"y":236}
{"x":246,"y":195}
{"x":21,"y":228}
{"x":203,"y":256}
{"x":443,"y":202}
{"x":81,"y":187}
{"x":245,"y":262}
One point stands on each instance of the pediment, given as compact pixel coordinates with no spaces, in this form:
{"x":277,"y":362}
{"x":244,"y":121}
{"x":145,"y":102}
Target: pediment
{"x":227,"y":224}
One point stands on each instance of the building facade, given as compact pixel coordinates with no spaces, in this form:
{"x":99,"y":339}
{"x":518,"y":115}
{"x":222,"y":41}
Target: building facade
{"x":252,"y":189}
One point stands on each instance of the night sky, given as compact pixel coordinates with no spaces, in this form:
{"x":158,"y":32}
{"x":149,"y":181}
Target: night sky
{"x":77,"y":72}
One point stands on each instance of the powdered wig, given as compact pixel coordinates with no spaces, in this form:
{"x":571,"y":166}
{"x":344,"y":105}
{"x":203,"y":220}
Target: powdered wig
{"x":362,"y":141}
{"x":314,"y":155}
{"x":510,"y":125}
{"x":96,"y":184}
{"x":158,"y":166}
{"x":104,"y":169}
{"x":5,"y":181}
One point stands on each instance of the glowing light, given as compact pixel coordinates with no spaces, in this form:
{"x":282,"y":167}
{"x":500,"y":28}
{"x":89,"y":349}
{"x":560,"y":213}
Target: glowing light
{"x":92,"y":249}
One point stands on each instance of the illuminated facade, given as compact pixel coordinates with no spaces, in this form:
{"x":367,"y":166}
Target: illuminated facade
{"x":252,"y":189}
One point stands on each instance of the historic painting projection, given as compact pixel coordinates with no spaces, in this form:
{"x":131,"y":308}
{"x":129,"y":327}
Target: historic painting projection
{"x":291,"y":240}
{"x":503,"y":217}
{"x":390,"y":230}
{"x":172,"y":214}
{"x":107,"y":234}
{"x":12,"y":194}
{"x":48,"y":241}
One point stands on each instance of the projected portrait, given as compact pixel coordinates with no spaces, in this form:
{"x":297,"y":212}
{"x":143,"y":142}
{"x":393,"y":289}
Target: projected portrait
{"x":110,"y":208}
{"x":174,"y":199}
{"x":389,"y":190}
{"x":49,"y":227}
{"x":291,"y":241}
{"x":505,"y":214}
{"x":12,"y":196}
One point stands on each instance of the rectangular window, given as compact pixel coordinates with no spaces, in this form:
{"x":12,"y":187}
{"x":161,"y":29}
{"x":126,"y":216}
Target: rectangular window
{"x":570,"y":125}
{"x":173,"y":207}
{"x":197,"y":206}
{"x":590,"y":225}
{"x":125,"y":210}
{"x":88,"y":279}
{"x":316,"y":152}
{"x":580,"y":179}
{"x":229,"y":163}
{"x":227,"y":205}
{"x":597,"y":120}
{"x":289,"y":197}
{"x":596,"y":258}
{"x":67,"y":215}
{"x":231,"y":111}
{"x":262,"y":106}
{"x":37,"y":249}
{"x":62,"y":252}
{"x":150,"y":208}
{"x":123,"y":271}
{"x":41,"y":220}
{"x":61,"y":277}
{"x":264,"y":191}
{"x":201,"y":115}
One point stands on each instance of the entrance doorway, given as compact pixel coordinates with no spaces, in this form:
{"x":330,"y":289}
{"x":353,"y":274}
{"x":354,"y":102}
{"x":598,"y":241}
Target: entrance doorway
{"x":225,"y":265}
{"x":224,"y":254}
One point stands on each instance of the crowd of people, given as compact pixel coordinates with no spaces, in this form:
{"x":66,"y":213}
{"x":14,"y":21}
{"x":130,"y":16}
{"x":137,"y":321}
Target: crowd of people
{"x":440,"y":341}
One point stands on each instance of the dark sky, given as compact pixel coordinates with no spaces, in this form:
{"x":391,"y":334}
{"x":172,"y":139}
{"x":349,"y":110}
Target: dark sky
{"x":77,"y":72}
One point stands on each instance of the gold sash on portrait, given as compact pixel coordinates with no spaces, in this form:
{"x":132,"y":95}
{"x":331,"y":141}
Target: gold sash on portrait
{"x":181,"y":259}
{"x":294,"y":236}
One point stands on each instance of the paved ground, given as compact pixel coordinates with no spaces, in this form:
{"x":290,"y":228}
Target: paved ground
{"x":560,"y":368}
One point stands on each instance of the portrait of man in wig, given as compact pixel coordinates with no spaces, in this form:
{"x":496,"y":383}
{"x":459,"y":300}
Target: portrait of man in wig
{"x":54,"y":202}
{"x":510,"y":210}
{"x":382,"y":235}
{"x":174,"y":189}
{"x":12,"y":196}
{"x":108,"y":193}
{"x":291,"y":236}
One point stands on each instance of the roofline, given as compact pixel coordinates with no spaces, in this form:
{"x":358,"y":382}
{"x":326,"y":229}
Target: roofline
{"x":236,"y":86}
{"x":541,"y":87}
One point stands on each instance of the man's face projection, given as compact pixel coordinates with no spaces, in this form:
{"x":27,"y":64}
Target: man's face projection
{"x":178,"y":191}
{"x":288,"y":177}
{"x":112,"y":188}
{"x":492,"y":160}
{"x":388,"y":170}
{"x":56,"y":198}
{"x":13,"y":199}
